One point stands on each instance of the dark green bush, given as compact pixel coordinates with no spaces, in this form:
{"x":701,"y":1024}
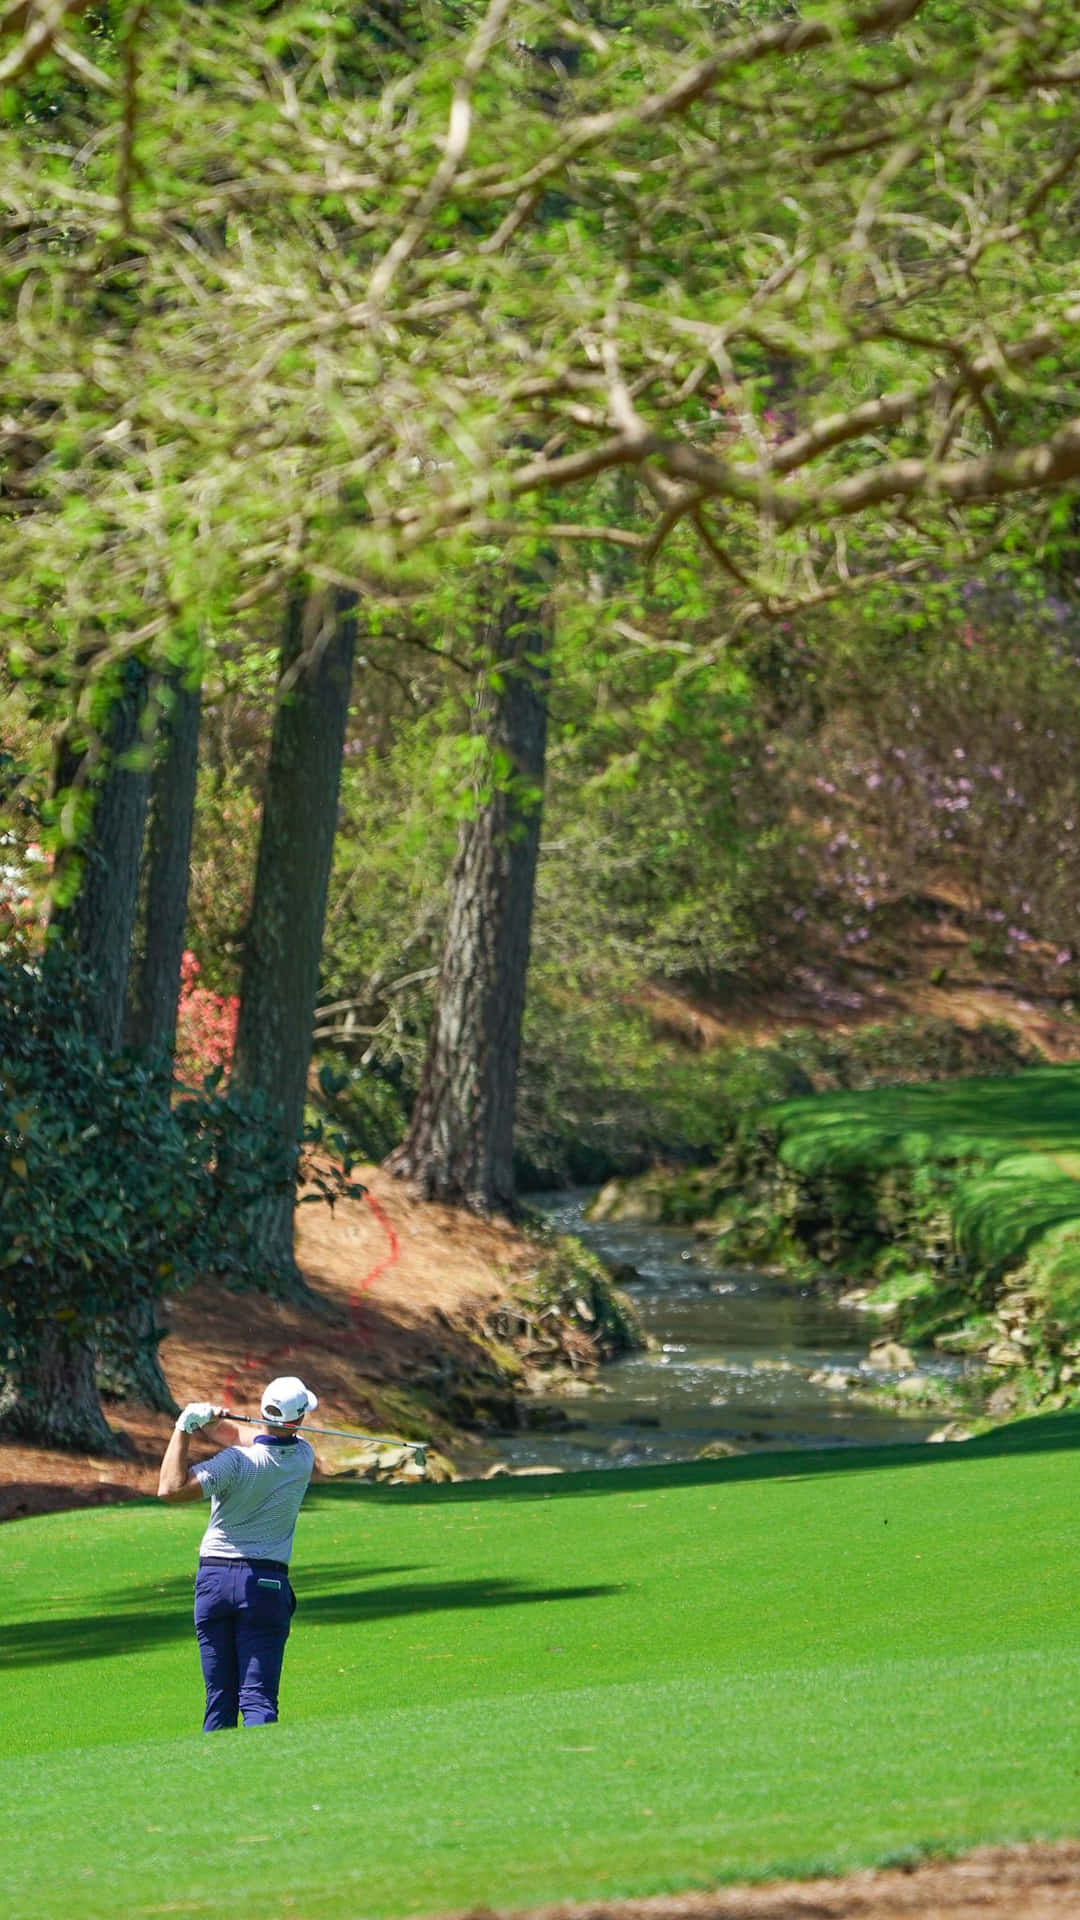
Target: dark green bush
{"x":111,"y":1191}
{"x":364,"y":1106}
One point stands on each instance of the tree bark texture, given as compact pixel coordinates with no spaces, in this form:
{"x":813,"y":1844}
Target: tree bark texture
{"x":97,"y":924}
{"x":460,"y":1142}
{"x":128,"y":1365}
{"x":48,"y":1394}
{"x":284,"y":936}
{"x":154,"y":983}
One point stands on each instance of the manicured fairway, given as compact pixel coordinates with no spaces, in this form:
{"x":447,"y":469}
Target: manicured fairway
{"x":611,"y":1683}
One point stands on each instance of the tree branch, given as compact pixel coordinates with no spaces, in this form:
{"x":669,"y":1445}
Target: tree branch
{"x":786,"y":37}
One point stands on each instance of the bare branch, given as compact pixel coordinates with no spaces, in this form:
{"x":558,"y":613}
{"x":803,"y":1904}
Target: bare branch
{"x":891,"y":408}
{"x":786,"y":37}
{"x":406,"y":242}
{"x":41,"y":23}
{"x":126,"y":163}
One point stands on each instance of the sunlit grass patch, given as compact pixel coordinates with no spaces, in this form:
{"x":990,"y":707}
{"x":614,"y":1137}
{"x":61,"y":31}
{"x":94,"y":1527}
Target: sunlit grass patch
{"x":508,"y":1693}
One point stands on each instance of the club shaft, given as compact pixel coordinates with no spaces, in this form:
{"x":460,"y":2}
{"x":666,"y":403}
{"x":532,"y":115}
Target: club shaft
{"x":340,"y":1433}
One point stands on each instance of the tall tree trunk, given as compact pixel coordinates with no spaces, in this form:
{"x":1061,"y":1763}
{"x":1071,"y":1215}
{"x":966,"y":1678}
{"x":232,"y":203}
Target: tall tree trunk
{"x":284,"y":936}
{"x":460,"y":1143}
{"x":154,"y":983}
{"x":129,"y":1365}
{"x":97,"y":923}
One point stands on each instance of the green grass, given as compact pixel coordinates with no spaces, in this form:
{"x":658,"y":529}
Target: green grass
{"x":517,"y":1692}
{"x":1014,"y":1140}
{"x":1037,"y":1109}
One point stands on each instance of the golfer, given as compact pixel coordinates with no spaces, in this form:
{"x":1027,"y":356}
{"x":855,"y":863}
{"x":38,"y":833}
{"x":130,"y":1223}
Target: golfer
{"x":243,"y":1601}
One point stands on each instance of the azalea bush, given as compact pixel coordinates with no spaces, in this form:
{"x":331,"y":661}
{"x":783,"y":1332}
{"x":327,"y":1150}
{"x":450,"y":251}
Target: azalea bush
{"x":205,"y":1026}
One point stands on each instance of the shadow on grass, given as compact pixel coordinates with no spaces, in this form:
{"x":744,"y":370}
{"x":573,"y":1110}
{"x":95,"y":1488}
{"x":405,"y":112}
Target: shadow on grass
{"x":31,"y":1643}
{"x":154,"y":1596}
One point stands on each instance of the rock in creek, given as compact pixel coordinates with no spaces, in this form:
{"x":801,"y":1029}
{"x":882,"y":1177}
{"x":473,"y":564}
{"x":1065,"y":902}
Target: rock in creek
{"x":833,"y":1379}
{"x":890,"y":1356}
{"x":953,"y":1431}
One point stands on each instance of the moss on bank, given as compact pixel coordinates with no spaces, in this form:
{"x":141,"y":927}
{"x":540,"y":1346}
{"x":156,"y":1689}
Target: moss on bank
{"x":563,"y":1321}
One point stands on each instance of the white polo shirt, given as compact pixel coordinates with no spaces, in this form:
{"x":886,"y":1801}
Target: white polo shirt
{"x":255,"y":1494}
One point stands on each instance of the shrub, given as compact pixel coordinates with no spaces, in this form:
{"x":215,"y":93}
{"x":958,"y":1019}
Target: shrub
{"x":205,"y":1026}
{"x":111,"y":1190}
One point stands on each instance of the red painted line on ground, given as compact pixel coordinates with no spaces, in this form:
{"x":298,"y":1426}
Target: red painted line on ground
{"x":355,"y":1334}
{"x":389,"y":1259}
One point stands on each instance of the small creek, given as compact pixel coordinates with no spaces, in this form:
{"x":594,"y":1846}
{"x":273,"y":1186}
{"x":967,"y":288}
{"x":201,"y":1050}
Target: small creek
{"x":735,"y":1352}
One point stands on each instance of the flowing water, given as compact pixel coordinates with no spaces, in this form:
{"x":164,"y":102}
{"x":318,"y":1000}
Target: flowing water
{"x":735,"y":1352}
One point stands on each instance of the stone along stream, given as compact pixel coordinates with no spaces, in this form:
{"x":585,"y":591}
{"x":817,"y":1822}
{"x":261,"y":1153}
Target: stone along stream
{"x":739,"y":1357}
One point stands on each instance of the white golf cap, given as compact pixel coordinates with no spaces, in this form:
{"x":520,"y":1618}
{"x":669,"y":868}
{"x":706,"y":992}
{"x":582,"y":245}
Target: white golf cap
{"x":287,"y":1398}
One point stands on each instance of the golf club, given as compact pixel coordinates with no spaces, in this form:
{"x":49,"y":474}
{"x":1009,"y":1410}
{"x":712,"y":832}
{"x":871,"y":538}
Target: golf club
{"x":419,"y":1447}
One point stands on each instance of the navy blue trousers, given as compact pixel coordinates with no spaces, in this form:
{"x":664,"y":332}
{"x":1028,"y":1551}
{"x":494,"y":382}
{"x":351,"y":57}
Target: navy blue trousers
{"x":243,"y":1611}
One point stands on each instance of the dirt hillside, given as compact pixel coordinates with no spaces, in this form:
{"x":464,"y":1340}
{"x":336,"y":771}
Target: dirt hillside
{"x":399,"y":1280}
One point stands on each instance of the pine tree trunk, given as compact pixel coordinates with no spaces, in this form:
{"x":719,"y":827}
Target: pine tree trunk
{"x":460,"y":1143}
{"x":97,"y":924}
{"x":49,"y":1394}
{"x":129,"y":1366}
{"x":154,"y":983}
{"x":285,"y":929}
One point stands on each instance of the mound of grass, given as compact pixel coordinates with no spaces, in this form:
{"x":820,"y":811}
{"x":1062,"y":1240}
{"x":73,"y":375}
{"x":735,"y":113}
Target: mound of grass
{"x":1002,"y":1156}
{"x":518,"y":1692}
{"x":980,"y":1120}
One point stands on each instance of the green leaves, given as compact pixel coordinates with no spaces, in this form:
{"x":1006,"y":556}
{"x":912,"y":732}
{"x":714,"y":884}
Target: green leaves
{"x":110,"y":1189}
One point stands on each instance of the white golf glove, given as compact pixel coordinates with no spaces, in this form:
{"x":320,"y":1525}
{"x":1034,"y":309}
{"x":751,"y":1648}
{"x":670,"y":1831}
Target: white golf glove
{"x":199,"y":1414}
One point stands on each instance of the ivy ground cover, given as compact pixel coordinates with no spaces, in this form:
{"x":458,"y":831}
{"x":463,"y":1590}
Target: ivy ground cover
{"x":514,"y":1692}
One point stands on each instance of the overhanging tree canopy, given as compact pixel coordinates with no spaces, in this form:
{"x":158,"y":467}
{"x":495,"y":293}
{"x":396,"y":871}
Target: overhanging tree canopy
{"x":295,"y":292}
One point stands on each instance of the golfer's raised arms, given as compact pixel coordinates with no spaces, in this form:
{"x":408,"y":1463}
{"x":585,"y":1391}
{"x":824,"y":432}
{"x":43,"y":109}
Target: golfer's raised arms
{"x":175,"y":1480}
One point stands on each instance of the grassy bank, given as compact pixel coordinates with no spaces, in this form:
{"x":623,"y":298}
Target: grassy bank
{"x":959,"y":1198}
{"x":608,"y":1684}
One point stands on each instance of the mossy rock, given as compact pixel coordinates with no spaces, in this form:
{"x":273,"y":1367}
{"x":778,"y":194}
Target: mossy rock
{"x":576,"y":1283}
{"x":668,"y":1196}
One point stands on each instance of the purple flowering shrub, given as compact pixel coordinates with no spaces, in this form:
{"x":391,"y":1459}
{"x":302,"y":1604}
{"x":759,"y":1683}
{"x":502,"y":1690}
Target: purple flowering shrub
{"x":944,"y":782}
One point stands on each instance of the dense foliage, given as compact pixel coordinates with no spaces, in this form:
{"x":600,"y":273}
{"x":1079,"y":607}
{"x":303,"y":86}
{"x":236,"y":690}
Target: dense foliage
{"x":112,"y":1192}
{"x":741,"y":318}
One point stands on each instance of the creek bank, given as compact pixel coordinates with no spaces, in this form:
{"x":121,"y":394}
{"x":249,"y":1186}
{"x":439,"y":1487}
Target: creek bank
{"x":964,"y":1241}
{"x":738,"y":1361}
{"x":451,"y":1343}
{"x":547,"y":1334}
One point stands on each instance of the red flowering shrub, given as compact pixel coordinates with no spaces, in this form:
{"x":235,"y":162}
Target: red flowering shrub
{"x":205,"y":1025}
